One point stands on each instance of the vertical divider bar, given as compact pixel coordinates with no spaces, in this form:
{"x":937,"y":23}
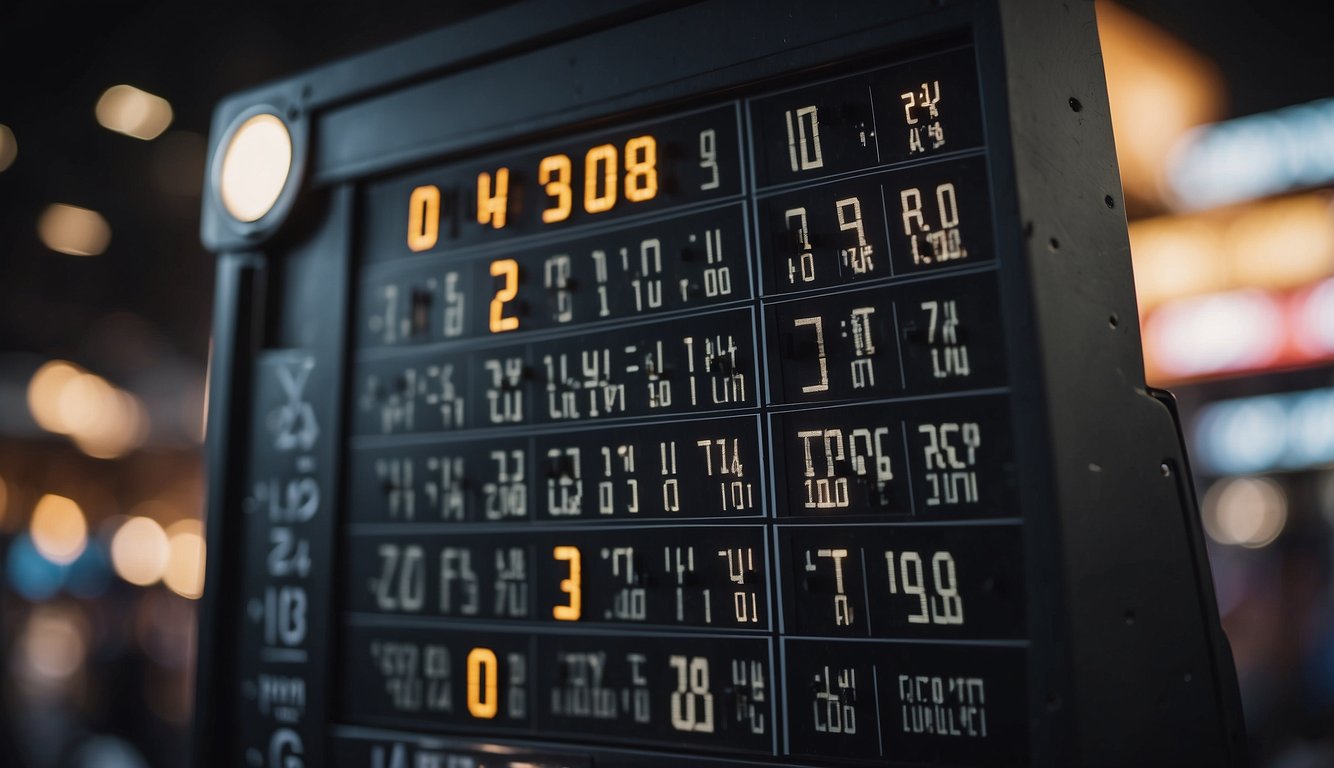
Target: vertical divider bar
{"x":234,"y":339}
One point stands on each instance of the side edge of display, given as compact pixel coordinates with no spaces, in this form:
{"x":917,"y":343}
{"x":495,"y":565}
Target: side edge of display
{"x":273,"y":451}
{"x":234,"y":329}
{"x":1142,"y":684}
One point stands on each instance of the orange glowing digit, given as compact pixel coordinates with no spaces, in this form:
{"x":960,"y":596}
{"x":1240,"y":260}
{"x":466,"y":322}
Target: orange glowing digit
{"x":604,"y":156}
{"x":491,"y":203}
{"x":423,"y":217}
{"x":572,"y":610}
{"x":557,"y":187}
{"x":483,"y":696}
{"x":510,"y":269}
{"x":641,"y":169}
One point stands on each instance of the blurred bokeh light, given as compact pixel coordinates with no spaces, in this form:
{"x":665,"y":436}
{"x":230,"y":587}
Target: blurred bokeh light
{"x":104,"y":346}
{"x":1246,"y":511}
{"x":1159,"y":88}
{"x":133,"y":112}
{"x":9,"y":147}
{"x":1229,"y":190}
{"x":184,"y":574}
{"x":74,"y":231}
{"x":140,"y":551}
{"x":59,"y":529}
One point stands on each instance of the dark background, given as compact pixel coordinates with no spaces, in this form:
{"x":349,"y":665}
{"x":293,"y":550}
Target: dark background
{"x":56,"y":59}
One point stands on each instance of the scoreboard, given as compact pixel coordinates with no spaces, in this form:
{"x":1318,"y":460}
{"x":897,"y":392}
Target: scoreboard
{"x":741,"y":383}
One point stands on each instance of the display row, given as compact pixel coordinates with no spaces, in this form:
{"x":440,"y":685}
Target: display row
{"x":561,"y":185}
{"x":912,"y":110}
{"x":929,"y":460}
{"x":895,"y":702}
{"x":844,"y":232}
{"x":915,"y":339}
{"x":904,"y":582}
{"x":909,"y":111}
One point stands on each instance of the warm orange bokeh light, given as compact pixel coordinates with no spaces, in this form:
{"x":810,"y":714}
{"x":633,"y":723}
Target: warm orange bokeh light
{"x":185,"y":562}
{"x":59,"y":530}
{"x":73,"y":231}
{"x":133,"y":112}
{"x":1158,"y":89}
{"x":1278,"y":244}
{"x":140,"y":551}
{"x":9,"y":147}
{"x":44,"y":394}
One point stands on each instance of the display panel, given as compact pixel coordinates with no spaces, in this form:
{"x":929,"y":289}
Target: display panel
{"x":726,"y":384}
{"x":502,"y":302}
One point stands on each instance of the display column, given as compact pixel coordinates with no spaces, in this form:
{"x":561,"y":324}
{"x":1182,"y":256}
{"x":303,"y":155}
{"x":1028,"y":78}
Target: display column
{"x":287,"y":502}
{"x":897,"y":532}
{"x":288,"y":509}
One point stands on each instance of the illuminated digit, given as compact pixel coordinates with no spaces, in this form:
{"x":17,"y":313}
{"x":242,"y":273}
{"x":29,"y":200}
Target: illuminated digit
{"x":909,"y":101}
{"x":649,"y":290}
{"x":424,"y":217}
{"x":910,"y":569}
{"x":972,"y":439}
{"x":818,"y":322}
{"x":556,"y":279}
{"x":492,"y":202}
{"x":641,"y":169}
{"x":717,"y":279}
{"x":600,"y":270}
{"x":604,"y":156}
{"x":483,"y":698}
{"x":947,"y":589}
{"x":797,"y":216}
{"x":708,"y":157}
{"x":932,"y":307}
{"x":803,"y":138}
{"x":850,"y":219}
{"x":692,"y":702}
{"x":572,"y":610}
{"x":554,"y":172}
{"x":510,"y":269}
{"x":947,"y":204}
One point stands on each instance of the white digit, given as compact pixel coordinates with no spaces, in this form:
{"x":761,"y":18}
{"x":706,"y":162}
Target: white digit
{"x":818,"y":322}
{"x":692,"y":703}
{"x":708,"y":157}
{"x":910,"y":568}
{"x":804,"y":148}
{"x":947,"y":590}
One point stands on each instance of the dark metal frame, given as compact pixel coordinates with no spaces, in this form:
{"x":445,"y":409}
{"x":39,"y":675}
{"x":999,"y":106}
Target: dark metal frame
{"x":1127,"y":661}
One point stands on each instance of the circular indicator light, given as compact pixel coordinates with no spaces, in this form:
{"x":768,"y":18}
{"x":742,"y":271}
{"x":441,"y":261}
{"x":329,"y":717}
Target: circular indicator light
{"x":255,"y":167}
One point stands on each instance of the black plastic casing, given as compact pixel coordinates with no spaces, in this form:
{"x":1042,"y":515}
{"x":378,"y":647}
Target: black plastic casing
{"x":1127,"y":663}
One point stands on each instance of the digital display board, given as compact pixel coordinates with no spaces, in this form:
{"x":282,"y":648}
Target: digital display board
{"x":699,"y":430}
